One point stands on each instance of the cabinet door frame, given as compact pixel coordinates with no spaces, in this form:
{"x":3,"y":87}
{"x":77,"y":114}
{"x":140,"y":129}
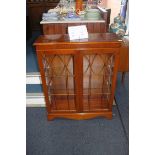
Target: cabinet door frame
{"x":78,"y":55}
{"x":114,"y":51}
{"x":72,"y":52}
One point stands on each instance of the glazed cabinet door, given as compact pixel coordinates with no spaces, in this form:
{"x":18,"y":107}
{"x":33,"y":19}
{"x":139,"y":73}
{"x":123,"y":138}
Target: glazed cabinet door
{"x":99,"y":75}
{"x":79,"y":81}
{"x":58,"y":78}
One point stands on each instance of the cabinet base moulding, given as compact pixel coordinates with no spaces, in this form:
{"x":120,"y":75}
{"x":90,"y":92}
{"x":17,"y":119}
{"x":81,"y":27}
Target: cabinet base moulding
{"x":80,"y":116}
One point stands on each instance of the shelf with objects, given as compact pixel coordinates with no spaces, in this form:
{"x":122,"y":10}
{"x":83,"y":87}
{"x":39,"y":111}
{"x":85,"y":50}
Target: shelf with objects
{"x":54,"y":17}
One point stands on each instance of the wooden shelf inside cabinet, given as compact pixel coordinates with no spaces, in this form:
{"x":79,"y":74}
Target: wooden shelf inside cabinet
{"x":78,"y":76}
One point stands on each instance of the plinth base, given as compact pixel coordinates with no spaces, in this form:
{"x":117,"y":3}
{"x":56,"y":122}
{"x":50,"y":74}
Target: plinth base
{"x":80,"y":116}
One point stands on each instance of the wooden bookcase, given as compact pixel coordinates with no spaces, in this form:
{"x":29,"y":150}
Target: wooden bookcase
{"x":78,"y":77}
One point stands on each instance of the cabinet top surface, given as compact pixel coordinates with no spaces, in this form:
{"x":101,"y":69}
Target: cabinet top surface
{"x":92,"y":38}
{"x":73,"y":21}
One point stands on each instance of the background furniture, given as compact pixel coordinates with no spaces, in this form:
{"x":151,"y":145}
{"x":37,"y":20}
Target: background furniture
{"x":93,"y":26}
{"x":28,"y":28}
{"x":62,"y":28}
{"x":35,"y":10}
{"x":124,"y":59}
{"x":78,"y":77}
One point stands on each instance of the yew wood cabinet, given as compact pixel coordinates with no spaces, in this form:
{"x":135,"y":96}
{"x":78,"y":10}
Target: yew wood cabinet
{"x":78,"y":77}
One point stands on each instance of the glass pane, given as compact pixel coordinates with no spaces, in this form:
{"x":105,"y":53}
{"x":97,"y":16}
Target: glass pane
{"x":97,"y":79}
{"x":60,"y":81}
